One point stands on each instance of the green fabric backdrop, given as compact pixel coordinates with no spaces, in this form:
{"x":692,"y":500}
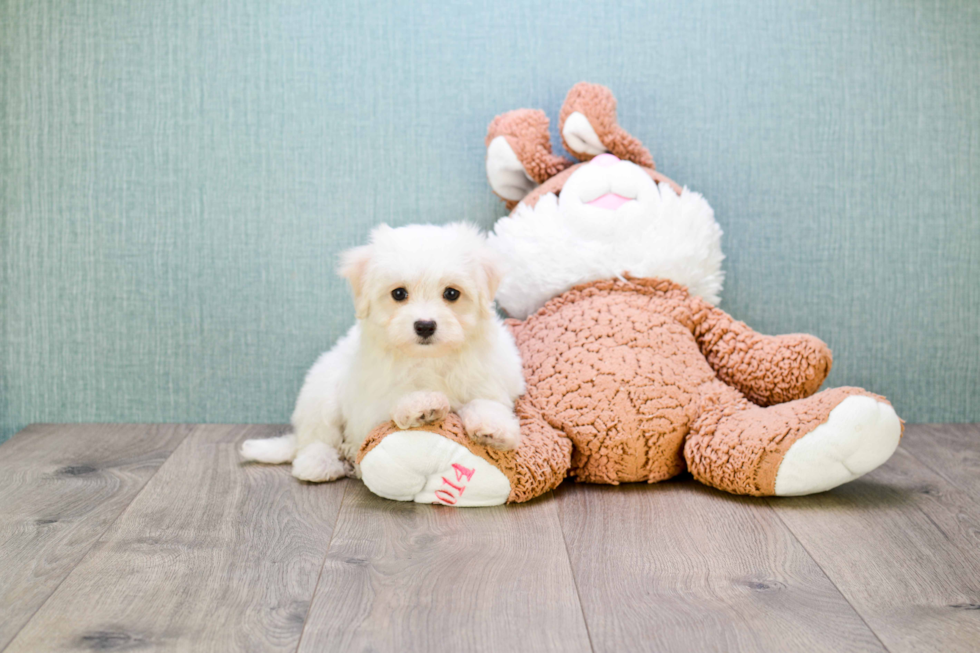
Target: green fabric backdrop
{"x":177,"y":178}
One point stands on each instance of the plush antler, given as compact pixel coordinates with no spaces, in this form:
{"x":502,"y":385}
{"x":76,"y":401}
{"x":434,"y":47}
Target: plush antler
{"x":519,"y":154}
{"x":589,"y":128}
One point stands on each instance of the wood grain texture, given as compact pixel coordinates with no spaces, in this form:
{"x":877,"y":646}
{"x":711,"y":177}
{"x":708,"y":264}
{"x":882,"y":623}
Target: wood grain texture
{"x":681,"y":567}
{"x":950,"y":450}
{"x":407,"y":577}
{"x":213,"y":555}
{"x":61,"y":487}
{"x":903,"y":545}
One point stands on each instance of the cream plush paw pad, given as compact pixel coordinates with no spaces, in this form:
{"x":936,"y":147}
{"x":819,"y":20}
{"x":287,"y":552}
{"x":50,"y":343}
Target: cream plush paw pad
{"x":425,"y":467}
{"x":860,"y":434}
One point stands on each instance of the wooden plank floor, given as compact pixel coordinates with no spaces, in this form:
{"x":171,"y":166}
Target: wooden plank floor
{"x":139,"y":537}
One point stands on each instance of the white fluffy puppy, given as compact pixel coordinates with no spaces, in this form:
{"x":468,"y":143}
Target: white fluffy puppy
{"x":427,"y":341}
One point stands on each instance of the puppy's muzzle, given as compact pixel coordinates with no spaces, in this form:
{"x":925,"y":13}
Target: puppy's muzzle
{"x":424,"y":329}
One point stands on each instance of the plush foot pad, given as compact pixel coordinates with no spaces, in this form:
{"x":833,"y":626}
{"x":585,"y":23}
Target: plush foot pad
{"x":860,"y":434}
{"x":425,"y":467}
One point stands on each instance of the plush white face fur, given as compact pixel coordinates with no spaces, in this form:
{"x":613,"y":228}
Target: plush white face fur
{"x":609,"y":219}
{"x":403,"y":282}
{"x":637,"y":193}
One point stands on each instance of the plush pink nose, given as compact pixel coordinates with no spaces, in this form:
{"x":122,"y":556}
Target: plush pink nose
{"x":604,"y":160}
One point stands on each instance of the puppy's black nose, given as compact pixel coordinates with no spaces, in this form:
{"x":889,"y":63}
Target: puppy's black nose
{"x":425,"y":328}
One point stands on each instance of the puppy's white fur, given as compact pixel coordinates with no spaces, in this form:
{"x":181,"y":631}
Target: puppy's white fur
{"x":383,"y":370}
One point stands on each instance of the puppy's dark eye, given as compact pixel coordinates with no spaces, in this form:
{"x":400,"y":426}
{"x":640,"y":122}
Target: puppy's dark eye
{"x":450,"y":294}
{"x":399,"y":294}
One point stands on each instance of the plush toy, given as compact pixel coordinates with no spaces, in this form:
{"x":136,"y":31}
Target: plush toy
{"x":632,"y":373}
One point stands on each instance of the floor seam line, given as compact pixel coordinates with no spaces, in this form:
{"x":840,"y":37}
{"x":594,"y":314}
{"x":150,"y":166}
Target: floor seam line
{"x":88,"y":551}
{"x":826,"y":575}
{"x":938,"y":473}
{"x":323,"y":563}
{"x":571,"y":569}
{"x":953,"y":485}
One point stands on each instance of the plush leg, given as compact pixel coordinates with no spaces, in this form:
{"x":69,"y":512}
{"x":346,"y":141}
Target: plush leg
{"x":439,"y":463}
{"x":799,"y":447}
{"x":768,"y":370}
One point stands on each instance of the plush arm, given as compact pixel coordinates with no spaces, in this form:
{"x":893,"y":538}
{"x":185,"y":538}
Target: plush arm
{"x":766,"y":369}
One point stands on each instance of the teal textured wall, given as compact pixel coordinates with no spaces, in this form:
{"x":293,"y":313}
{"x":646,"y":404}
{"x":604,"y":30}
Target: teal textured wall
{"x":177,"y":177}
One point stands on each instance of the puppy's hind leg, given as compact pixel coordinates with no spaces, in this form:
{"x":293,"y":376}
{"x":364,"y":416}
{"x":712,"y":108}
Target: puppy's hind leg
{"x":312,"y":446}
{"x":273,"y":451}
{"x":318,"y":462}
{"x":318,"y":434}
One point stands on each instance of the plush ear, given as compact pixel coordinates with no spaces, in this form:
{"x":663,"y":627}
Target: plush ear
{"x":353,"y":267}
{"x":519,"y":154}
{"x":588,"y":126}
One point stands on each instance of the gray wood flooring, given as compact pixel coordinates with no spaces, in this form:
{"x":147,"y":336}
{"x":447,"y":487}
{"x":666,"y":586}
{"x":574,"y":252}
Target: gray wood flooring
{"x":155,"y":537}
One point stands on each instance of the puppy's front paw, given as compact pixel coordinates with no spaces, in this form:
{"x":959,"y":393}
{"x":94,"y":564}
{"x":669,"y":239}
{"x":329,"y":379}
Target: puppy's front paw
{"x":418,"y":408}
{"x":491,"y":424}
{"x":318,"y":463}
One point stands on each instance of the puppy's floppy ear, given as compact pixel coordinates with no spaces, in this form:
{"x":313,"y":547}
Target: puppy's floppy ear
{"x":353,"y":267}
{"x":491,"y":270}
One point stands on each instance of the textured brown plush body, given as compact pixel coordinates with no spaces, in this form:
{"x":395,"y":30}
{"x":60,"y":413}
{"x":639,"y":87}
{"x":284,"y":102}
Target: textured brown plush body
{"x":637,"y":380}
